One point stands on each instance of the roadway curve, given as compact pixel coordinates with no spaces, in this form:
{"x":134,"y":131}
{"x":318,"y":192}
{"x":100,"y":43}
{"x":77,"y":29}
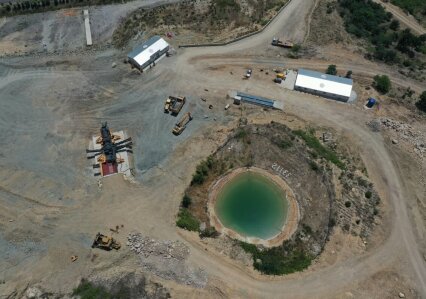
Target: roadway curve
{"x":401,"y":245}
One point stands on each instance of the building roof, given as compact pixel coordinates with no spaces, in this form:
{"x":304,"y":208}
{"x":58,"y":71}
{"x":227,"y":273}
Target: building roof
{"x":323,"y":82}
{"x":142,"y":53}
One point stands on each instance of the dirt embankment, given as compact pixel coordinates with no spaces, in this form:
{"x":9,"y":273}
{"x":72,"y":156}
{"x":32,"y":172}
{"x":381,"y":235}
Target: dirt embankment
{"x":199,"y":21}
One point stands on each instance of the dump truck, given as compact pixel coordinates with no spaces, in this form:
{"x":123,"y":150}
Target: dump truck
{"x":181,"y":125}
{"x":284,"y":44}
{"x":174,"y":104}
{"x":106,"y":243}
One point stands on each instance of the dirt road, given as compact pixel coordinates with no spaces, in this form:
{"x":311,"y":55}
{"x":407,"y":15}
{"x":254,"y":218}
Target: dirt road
{"x":407,"y":20}
{"x":402,"y":244}
{"x":50,"y":109}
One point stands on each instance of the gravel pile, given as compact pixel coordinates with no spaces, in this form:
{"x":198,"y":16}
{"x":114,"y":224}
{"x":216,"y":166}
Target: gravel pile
{"x":166,"y":259}
{"x":408,"y":133}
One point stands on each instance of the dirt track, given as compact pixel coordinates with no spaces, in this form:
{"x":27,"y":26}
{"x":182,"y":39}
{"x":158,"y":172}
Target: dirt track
{"x":48,"y":113}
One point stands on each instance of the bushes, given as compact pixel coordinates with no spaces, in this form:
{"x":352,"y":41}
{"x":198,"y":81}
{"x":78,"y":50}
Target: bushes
{"x":368,"y":20}
{"x":322,"y":151}
{"x":187,"y":221}
{"x":87,"y":290}
{"x":210,"y":232}
{"x":202,"y":170}
{"x":331,"y":70}
{"x":278,"y":260}
{"x":382,"y":83}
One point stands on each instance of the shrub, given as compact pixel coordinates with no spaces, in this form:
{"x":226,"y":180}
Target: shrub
{"x":348,"y":204}
{"x":331,"y":70}
{"x":187,"y":221}
{"x":421,"y":103}
{"x":186,"y":201}
{"x":382,"y":83}
{"x":314,"y":166}
{"x":368,"y":194}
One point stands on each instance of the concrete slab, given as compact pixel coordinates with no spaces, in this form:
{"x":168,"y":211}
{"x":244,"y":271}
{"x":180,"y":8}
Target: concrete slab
{"x":87,"y":26}
{"x":290,"y":80}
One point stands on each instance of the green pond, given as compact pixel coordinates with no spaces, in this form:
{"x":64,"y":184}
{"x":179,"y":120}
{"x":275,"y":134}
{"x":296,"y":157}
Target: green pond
{"x":252,"y":205}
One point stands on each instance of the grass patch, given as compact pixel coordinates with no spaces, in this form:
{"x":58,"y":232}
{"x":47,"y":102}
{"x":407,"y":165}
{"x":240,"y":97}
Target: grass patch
{"x":187,"y":221}
{"x":283,"y":143}
{"x":87,"y":290}
{"x":278,"y":260}
{"x":322,"y":151}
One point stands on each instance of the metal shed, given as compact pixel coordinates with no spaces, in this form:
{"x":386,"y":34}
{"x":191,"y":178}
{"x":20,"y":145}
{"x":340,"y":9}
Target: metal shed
{"x":147,"y":53}
{"x":328,"y":86}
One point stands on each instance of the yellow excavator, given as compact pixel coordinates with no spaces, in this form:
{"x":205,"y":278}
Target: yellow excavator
{"x":181,"y":125}
{"x":106,"y":243}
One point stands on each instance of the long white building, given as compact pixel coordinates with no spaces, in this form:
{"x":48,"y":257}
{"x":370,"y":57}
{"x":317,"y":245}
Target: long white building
{"x":147,"y":53}
{"x":328,"y":86}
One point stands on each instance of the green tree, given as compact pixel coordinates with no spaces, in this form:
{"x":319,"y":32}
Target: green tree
{"x":186,"y":201}
{"x":331,"y":70}
{"x":394,"y":25}
{"x":382,"y":83}
{"x":421,"y":104}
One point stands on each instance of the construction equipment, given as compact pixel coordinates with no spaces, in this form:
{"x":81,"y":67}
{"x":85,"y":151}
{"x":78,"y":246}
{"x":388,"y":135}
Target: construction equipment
{"x":181,"y":125}
{"x":174,"y":104}
{"x":106,"y":243}
{"x":281,"y":76}
{"x":279,"y":43}
{"x":107,"y":154}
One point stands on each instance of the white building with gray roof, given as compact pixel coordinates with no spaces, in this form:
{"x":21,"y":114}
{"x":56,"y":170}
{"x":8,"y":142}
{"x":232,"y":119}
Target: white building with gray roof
{"x":328,"y":86}
{"x":146,"y":54}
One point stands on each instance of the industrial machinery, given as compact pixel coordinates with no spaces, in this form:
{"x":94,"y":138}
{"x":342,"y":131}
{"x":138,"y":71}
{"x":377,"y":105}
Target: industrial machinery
{"x":279,"y":43}
{"x":181,"y":125}
{"x":174,"y":104}
{"x":281,"y":76}
{"x":107,"y":154}
{"x":104,"y":242}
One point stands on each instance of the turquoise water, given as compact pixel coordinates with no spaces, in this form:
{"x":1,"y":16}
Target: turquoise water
{"x":252,"y":205}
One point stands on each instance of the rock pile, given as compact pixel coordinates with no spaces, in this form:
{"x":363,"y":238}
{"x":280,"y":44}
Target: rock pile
{"x":406,"y":132}
{"x":166,"y":259}
{"x":167,"y":249}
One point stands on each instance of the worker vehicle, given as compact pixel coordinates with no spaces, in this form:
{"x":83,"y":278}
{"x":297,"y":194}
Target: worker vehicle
{"x":106,"y":243}
{"x":174,"y":104}
{"x":248,"y":73}
{"x":281,"y":76}
{"x":284,"y":44}
{"x":181,"y":125}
